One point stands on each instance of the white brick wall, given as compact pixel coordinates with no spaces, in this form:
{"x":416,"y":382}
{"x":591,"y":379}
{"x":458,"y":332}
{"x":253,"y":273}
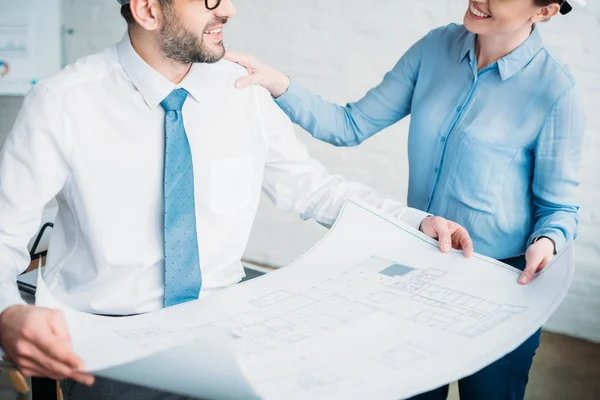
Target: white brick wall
{"x":341,"y":48}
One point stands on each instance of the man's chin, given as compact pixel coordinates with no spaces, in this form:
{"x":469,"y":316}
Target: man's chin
{"x":209,"y":56}
{"x":217,"y":54}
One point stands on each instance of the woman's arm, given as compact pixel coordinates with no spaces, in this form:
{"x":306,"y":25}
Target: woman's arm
{"x":555,"y":181}
{"x":381,"y":107}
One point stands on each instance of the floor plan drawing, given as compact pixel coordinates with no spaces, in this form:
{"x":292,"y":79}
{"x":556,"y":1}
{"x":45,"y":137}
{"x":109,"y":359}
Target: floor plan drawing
{"x":375,"y":310}
{"x":374,"y":285}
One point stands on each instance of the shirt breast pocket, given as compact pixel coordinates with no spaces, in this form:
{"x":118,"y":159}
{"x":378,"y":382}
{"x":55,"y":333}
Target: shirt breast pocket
{"x":231,"y":184}
{"x":478,"y":173}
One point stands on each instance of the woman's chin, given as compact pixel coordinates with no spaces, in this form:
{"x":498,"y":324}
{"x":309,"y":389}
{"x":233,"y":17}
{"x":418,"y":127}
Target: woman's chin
{"x":478,"y":27}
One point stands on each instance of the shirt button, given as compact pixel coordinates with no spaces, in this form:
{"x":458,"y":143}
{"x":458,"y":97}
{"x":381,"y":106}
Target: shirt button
{"x":443,"y":139}
{"x":458,"y":109}
{"x":436,"y":169}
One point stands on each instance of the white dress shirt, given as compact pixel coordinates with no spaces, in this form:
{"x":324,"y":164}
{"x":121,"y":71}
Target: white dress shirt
{"x":93,"y":137}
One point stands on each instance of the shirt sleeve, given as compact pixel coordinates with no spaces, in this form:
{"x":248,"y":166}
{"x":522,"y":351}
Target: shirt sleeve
{"x":33,"y":168}
{"x":555,"y":180}
{"x":381,"y":107}
{"x":294,"y":181}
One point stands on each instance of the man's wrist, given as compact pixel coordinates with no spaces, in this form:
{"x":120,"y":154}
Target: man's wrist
{"x":3,"y":315}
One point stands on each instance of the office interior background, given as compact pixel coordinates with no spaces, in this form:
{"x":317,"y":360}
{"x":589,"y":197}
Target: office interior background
{"x":342,"y":48}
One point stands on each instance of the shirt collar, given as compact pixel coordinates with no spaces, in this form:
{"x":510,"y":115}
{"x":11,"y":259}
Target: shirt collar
{"x":150,"y":83}
{"x":513,"y":62}
{"x":468,"y":46}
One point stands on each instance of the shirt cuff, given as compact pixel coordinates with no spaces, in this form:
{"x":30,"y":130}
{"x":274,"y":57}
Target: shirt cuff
{"x":555,"y":235}
{"x":10,"y":297}
{"x":292,"y":96}
{"x":413,"y":217}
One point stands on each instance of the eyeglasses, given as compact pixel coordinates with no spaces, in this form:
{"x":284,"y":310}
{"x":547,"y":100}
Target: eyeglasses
{"x":212,"y":4}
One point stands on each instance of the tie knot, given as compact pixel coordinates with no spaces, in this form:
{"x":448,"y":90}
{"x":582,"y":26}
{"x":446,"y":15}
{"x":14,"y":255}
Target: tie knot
{"x":174,"y":101}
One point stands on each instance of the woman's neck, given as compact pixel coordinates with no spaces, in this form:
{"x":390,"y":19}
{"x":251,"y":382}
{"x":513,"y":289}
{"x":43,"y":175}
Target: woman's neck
{"x":491,"y":48}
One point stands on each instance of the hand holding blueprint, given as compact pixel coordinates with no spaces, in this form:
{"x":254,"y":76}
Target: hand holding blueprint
{"x":375,"y":310}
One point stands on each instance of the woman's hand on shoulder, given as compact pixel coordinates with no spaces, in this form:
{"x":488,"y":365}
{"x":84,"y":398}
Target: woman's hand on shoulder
{"x":261,"y":74}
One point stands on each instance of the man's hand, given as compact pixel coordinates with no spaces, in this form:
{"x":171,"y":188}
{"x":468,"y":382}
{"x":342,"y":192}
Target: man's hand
{"x":448,"y":233}
{"x":37,"y":341}
{"x":538,"y":255}
{"x":274,"y":81}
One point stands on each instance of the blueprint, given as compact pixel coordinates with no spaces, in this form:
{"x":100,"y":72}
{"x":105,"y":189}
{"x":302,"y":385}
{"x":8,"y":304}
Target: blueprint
{"x":375,"y":310}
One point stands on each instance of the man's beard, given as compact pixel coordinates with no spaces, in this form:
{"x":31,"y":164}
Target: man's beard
{"x":183,"y":46}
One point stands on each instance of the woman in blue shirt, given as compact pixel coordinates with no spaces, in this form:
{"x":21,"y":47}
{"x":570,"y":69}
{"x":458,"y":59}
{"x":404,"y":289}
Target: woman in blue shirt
{"x":494,"y":143}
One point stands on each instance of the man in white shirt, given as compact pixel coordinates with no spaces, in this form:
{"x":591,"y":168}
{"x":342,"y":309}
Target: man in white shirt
{"x":156,"y":161}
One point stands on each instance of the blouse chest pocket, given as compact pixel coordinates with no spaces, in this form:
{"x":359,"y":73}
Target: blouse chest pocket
{"x":477,"y":174}
{"x":231,"y":184}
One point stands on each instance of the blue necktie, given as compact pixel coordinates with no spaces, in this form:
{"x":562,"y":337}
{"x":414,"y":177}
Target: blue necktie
{"x":182,"y":261}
